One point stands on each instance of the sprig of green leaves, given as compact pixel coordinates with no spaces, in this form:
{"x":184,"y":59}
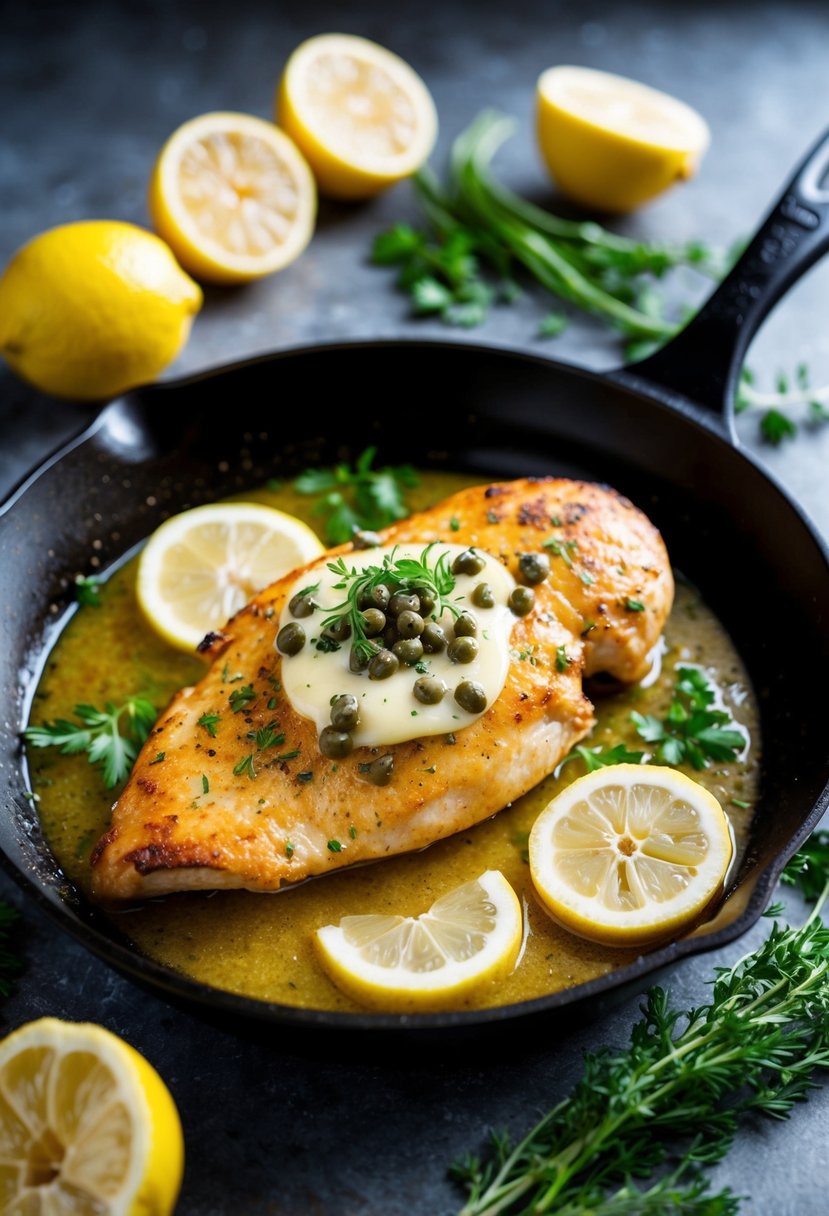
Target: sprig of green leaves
{"x":790,"y":393}
{"x":693,"y":731}
{"x":352,"y":498}
{"x":111,"y":737}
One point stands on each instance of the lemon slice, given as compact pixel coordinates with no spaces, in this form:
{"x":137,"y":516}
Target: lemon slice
{"x":468,"y":937}
{"x":612,"y":143}
{"x":88,"y":1128}
{"x":630,"y":854}
{"x":200,"y":567}
{"x":361,"y":116}
{"x":232,"y":197}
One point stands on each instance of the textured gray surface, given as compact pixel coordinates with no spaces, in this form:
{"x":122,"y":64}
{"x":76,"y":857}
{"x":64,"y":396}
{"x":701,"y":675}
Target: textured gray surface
{"x":88,"y":94}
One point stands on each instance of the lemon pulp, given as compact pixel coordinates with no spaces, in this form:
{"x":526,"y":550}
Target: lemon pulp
{"x":630,"y":854}
{"x":468,"y":937}
{"x":201,"y":567}
{"x":233,"y":197}
{"x":362,"y":117}
{"x":87,"y":1127}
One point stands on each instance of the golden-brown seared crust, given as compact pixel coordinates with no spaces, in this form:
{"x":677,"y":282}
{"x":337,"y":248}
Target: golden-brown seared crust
{"x":274,"y":829}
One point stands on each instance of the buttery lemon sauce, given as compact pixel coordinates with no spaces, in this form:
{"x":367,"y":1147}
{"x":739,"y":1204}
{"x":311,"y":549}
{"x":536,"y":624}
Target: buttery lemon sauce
{"x":260,"y":945}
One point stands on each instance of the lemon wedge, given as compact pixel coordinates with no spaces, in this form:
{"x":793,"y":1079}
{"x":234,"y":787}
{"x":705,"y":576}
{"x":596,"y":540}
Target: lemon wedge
{"x":612,"y":143}
{"x":233,"y":197}
{"x":469,"y":937}
{"x":88,"y":1127}
{"x":630,"y":854}
{"x":90,"y":309}
{"x":362,"y":117}
{"x":200,"y":567}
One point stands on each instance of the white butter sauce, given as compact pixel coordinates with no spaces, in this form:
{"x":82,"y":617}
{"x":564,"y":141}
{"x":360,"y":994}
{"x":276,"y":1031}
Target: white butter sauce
{"x":389,"y":710}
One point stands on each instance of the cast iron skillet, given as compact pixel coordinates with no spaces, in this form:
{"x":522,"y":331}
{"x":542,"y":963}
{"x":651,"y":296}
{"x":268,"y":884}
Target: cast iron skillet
{"x":660,"y":432}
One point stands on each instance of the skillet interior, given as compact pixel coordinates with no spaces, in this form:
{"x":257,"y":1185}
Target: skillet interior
{"x":159,"y":450}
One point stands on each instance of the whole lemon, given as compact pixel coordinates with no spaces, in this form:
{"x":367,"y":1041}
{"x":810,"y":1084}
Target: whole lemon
{"x":90,"y":309}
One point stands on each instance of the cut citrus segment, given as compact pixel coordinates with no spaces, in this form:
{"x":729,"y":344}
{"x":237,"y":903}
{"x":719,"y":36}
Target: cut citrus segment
{"x":200,"y":567}
{"x":630,"y":854}
{"x":233,"y":197}
{"x":361,"y":116}
{"x":612,"y":143}
{"x":87,"y":1126}
{"x":468,"y":937}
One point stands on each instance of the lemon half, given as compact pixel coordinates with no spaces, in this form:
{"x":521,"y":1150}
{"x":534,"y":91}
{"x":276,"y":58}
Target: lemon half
{"x":233,"y":197}
{"x":612,"y":143}
{"x":87,"y":1127}
{"x":630,"y":854}
{"x":91,"y":309}
{"x":200,"y":567}
{"x":362,"y":117}
{"x":468,"y":937}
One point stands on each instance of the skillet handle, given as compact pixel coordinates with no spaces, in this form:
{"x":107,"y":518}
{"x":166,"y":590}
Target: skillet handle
{"x":703,"y":361}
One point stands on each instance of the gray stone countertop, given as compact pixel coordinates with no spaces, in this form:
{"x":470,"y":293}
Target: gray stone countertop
{"x":89,"y":92}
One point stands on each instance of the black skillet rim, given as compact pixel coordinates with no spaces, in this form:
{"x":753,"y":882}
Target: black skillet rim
{"x":218,"y":1001}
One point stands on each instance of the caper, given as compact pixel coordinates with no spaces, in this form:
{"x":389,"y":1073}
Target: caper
{"x":466,"y":626}
{"x":374,"y":622}
{"x":470,"y":696}
{"x":291,"y":638}
{"x":359,"y":658}
{"x":433,"y":638}
{"x":409,"y":624}
{"x":382,"y":665}
{"x":338,"y":630}
{"x":376,"y":597}
{"x":366,"y":540}
{"x":302,"y":605}
{"x":390,"y":636}
{"x":409,"y":651}
{"x":463,"y":650}
{"x":468,"y":562}
{"x":429,"y":690}
{"x":482,"y":596}
{"x":335,"y":744}
{"x":521,"y":600}
{"x":345,"y":712}
{"x":380,"y":771}
{"x":534,"y":567}
{"x":427,"y":601}
{"x":403,"y":601}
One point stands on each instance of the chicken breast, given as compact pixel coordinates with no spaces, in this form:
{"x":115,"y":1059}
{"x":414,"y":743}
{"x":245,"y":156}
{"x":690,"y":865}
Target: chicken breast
{"x":204,"y":817}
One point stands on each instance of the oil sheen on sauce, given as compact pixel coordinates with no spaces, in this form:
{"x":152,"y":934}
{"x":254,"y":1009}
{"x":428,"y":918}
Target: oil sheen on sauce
{"x":260,"y":945}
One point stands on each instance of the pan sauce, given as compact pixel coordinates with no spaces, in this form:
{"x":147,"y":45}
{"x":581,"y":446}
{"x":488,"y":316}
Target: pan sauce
{"x":260,"y":946}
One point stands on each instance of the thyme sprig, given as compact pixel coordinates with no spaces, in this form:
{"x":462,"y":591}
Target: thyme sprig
{"x":398,"y":574}
{"x":675,"y":1096}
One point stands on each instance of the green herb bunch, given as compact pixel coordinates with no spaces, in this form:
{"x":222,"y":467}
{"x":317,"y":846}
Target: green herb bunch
{"x":672,"y":1101}
{"x":397,"y":574}
{"x":358,"y":497}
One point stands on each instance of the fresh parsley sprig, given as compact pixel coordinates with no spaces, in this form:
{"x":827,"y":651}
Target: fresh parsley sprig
{"x":111,"y":737}
{"x":398,"y":574}
{"x":674,"y":1097}
{"x":693,"y":731}
{"x":358,"y":497}
{"x":809,"y":868}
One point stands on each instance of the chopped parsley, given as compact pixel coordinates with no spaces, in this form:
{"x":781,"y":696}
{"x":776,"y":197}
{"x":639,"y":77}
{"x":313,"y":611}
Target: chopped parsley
{"x":205,"y":784}
{"x":241,"y":698}
{"x":245,"y":766}
{"x":335,"y":846}
{"x":634,"y":605}
{"x":562,"y":660}
{"x":305,"y":777}
{"x":88,"y":592}
{"x":159,"y":757}
{"x":210,"y":722}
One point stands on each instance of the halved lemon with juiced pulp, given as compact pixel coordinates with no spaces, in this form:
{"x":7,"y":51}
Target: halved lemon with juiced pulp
{"x":200,"y":567}
{"x":233,"y":197}
{"x":468,"y":938}
{"x":613,"y":143}
{"x":361,"y":116}
{"x":87,"y":1127}
{"x":631,"y":854}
